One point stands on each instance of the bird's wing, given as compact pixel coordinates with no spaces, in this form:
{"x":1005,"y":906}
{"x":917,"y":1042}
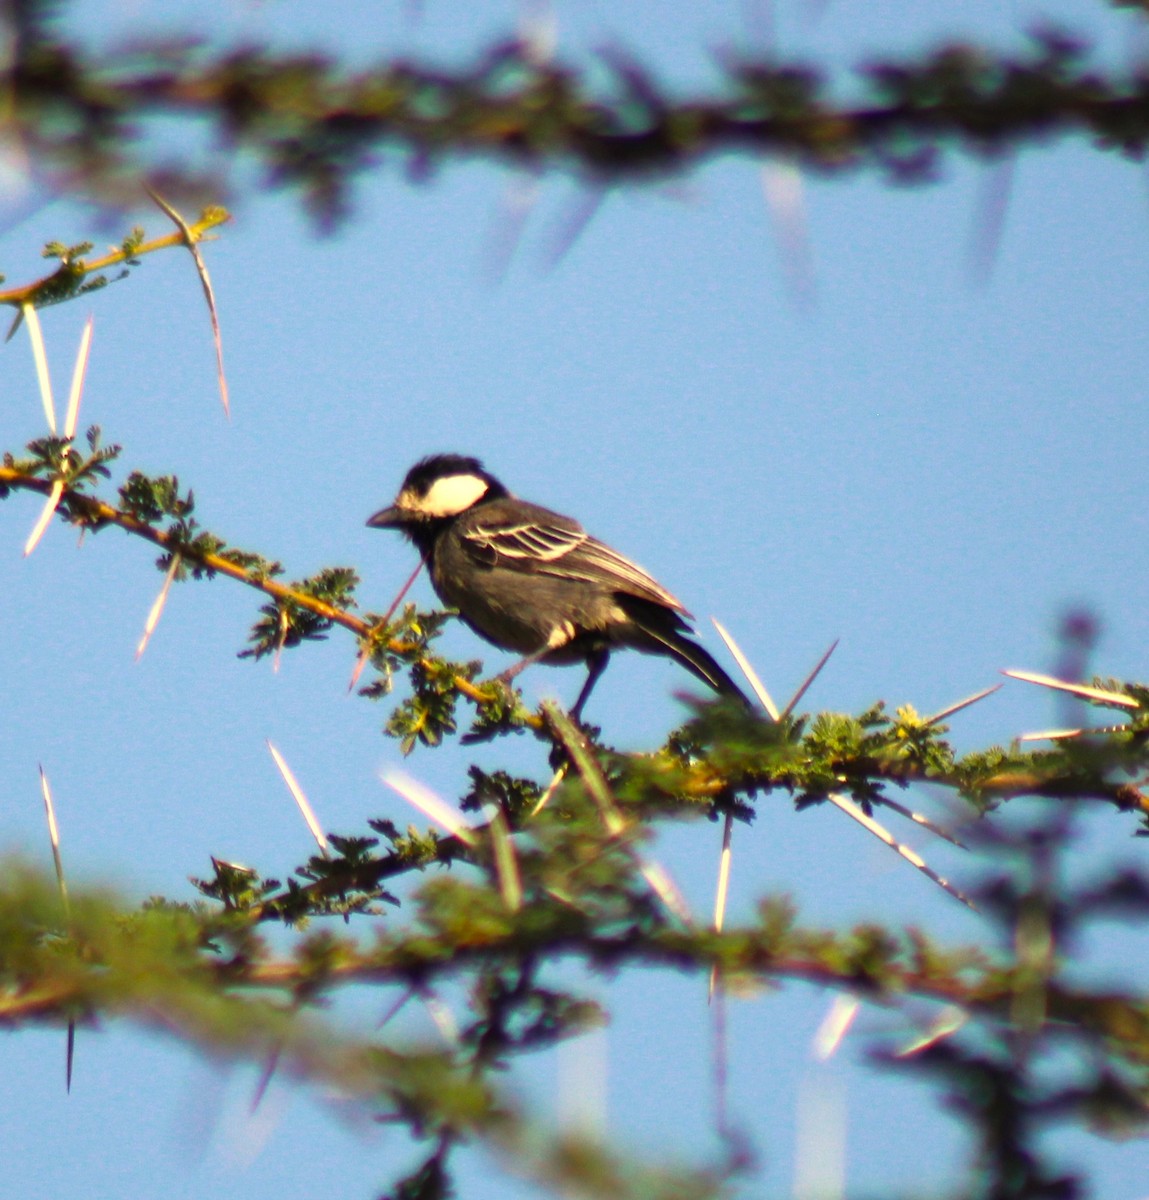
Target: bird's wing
{"x":550,"y":544}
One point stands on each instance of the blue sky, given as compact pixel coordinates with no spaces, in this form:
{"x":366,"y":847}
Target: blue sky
{"x":928,"y":465}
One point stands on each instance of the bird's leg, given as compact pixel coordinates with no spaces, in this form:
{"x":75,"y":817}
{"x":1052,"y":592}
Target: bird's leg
{"x":596,"y":662}
{"x":559,"y":637}
{"x":505,"y":677}
{"x":595,"y":665}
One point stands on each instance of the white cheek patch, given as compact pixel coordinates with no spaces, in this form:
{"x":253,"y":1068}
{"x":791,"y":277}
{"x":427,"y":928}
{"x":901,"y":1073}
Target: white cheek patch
{"x":450,"y":496}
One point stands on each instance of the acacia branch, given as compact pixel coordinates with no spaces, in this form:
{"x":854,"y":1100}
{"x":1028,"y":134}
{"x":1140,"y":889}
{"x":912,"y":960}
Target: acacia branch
{"x":68,"y":274}
{"x":97,"y":512}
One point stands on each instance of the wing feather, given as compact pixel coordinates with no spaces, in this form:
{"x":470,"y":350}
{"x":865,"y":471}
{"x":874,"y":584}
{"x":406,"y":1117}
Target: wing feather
{"x":550,"y":544}
{"x":531,"y":542}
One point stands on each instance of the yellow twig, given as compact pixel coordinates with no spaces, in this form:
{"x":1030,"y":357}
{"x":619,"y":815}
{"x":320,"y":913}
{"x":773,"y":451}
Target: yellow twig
{"x":27,"y":292}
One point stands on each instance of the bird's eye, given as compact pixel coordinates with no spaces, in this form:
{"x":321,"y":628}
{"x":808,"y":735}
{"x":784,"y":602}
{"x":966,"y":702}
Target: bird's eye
{"x":451,"y":495}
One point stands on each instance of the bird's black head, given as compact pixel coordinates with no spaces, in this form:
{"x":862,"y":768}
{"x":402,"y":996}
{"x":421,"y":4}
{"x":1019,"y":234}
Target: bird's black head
{"x":437,"y":489}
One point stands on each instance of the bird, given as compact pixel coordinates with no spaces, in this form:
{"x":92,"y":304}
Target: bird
{"x":535,"y":582}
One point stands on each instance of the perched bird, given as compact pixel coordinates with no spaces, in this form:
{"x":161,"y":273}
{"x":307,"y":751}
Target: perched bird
{"x":533,"y":581}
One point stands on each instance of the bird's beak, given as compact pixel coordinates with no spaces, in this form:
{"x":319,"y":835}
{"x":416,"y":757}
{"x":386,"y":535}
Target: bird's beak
{"x":387,"y":518}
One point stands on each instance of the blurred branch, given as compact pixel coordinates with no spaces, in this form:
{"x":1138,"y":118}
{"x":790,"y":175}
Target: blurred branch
{"x":315,"y":125}
{"x":117,"y":956}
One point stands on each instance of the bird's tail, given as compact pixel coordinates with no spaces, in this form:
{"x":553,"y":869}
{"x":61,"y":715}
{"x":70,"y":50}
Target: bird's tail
{"x":668,"y":635}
